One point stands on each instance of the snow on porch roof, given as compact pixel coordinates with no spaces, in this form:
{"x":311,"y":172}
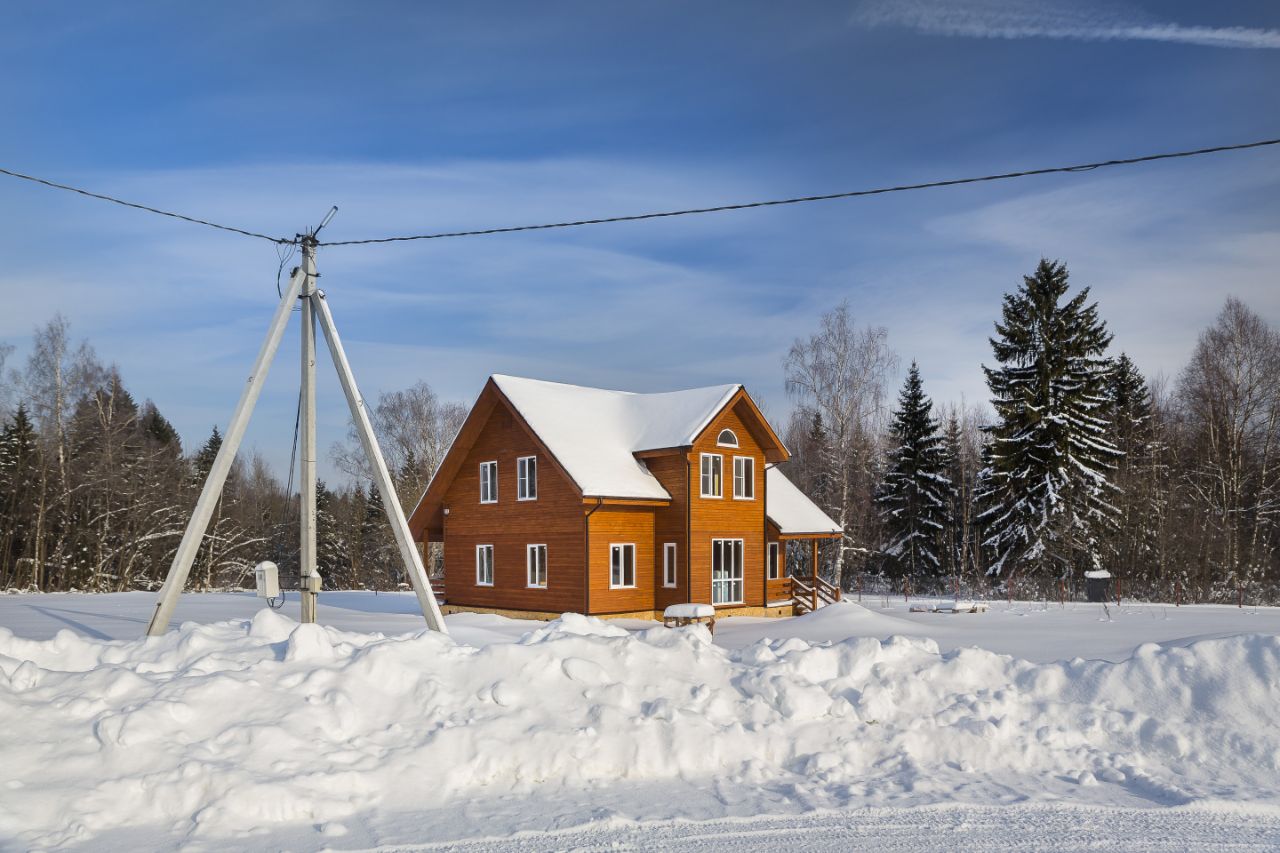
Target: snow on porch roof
{"x":594,"y":433}
{"x":791,"y":509}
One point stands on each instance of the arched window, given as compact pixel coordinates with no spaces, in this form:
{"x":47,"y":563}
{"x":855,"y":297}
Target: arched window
{"x":727,"y":438}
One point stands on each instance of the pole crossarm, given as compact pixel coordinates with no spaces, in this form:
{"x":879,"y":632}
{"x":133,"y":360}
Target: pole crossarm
{"x":382,"y":477}
{"x":180,"y":568}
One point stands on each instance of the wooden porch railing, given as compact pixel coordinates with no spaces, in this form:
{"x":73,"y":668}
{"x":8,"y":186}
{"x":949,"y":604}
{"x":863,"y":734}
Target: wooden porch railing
{"x":808,"y":593}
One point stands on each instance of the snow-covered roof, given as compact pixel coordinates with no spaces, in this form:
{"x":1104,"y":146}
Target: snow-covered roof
{"x":791,"y":510}
{"x":594,"y":433}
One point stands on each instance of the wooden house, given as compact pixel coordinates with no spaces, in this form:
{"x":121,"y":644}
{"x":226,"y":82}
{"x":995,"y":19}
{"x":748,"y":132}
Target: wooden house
{"x":557,"y":498}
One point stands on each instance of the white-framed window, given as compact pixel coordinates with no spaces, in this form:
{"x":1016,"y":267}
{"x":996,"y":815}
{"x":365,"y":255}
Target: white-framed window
{"x":726,"y":571}
{"x":536,"y":560}
{"x":484,"y":565}
{"x":527,"y":478}
{"x":744,"y":478}
{"x":669,"y":564}
{"x":775,"y":567}
{"x":622,"y":566}
{"x":727,"y":438}
{"x":712,"y":475}
{"x":489,"y":482}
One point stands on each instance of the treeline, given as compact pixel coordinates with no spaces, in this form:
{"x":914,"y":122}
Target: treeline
{"x":1077,"y":463}
{"x":1080,"y":464}
{"x":96,"y":488}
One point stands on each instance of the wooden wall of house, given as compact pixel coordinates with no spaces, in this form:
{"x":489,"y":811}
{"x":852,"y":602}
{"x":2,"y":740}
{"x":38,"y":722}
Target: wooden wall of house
{"x":776,"y":590}
{"x":727,"y":517}
{"x":671,"y":526}
{"x":555,"y":519}
{"x":611,"y":525}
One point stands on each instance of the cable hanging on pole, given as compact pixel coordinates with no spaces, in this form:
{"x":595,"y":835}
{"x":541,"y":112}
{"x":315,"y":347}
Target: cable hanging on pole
{"x":1084,"y":167}
{"x":144,"y":207}
{"x":1004,"y":176}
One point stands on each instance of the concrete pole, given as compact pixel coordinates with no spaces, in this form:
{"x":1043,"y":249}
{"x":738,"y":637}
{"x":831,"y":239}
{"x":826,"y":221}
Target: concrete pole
{"x":309,"y":574}
{"x":176,"y":580}
{"x":381,"y":476}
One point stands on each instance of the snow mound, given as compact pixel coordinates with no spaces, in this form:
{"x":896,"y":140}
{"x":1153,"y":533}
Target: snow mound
{"x":221,"y":731}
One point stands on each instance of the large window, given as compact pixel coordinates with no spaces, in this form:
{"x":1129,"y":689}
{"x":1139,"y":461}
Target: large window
{"x":726,"y":571}
{"x":712,"y":475}
{"x":484,"y":565}
{"x":744,"y":478}
{"x":537,"y":564}
{"x":669,"y":564}
{"x":527,"y":478}
{"x":622,"y":566}
{"x":488,"y":482}
{"x":775,"y":567}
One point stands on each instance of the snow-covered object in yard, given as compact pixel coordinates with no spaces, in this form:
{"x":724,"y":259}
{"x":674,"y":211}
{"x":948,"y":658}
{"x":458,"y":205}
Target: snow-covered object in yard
{"x":791,"y":510}
{"x":689,"y":611}
{"x":1097,"y":574}
{"x":216,"y":734}
{"x":594,"y":433}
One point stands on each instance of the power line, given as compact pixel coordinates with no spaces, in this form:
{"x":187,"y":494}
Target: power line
{"x":1085,"y":167}
{"x":137,"y":206}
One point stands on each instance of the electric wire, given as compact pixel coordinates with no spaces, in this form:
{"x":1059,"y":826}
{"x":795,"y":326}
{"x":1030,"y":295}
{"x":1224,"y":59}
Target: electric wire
{"x":575,"y":223}
{"x":1084,"y":167}
{"x":144,"y":207}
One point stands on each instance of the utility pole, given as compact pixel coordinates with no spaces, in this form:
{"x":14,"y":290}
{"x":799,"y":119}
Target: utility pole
{"x":302,"y":285}
{"x":308,"y":572}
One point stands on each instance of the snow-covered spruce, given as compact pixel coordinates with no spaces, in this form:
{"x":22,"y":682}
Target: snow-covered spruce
{"x":1047,"y":486}
{"x":915,"y":497}
{"x":215,"y":731}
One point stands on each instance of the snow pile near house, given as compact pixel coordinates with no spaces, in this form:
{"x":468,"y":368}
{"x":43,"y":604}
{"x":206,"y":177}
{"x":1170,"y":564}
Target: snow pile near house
{"x":223,"y":730}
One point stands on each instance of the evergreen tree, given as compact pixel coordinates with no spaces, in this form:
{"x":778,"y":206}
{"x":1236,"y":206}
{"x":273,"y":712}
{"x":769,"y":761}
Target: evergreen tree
{"x":19,"y":462}
{"x":157,"y":428}
{"x":1047,"y":484}
{"x":913,"y":499}
{"x":332,"y":548}
{"x":1134,"y":545}
{"x":954,"y":529}
{"x":206,"y":454}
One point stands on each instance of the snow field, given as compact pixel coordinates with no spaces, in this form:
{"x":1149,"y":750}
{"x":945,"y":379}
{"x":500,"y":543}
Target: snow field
{"x":240,"y":728}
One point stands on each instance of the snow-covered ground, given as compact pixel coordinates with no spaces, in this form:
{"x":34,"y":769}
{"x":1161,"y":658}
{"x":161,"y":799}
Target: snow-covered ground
{"x":1026,"y":727}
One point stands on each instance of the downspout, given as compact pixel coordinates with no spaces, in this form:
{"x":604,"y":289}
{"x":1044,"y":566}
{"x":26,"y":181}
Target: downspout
{"x":586,"y":557}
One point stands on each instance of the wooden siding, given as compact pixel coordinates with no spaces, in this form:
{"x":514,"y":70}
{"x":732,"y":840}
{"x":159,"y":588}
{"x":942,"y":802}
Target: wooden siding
{"x":671,"y":525}
{"x":726,"y":517}
{"x":610,"y":525}
{"x":555,"y":519}
{"x":776,"y":590}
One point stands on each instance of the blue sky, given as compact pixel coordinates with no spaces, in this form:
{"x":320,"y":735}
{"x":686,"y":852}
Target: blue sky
{"x":416,"y":117}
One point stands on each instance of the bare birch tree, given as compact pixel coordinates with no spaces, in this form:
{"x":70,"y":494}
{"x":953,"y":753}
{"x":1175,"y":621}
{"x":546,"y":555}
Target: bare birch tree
{"x":840,"y":373}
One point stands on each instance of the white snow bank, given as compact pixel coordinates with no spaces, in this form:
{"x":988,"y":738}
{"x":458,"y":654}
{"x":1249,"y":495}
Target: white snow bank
{"x":222,"y":731}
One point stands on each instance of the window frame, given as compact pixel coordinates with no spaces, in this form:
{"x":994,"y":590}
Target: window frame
{"x":481,"y":549}
{"x":773,"y":571}
{"x":622,"y":547}
{"x":670,"y":565}
{"x":720,"y":442}
{"x":529,"y":566}
{"x":717,"y":550}
{"x":702,"y":478}
{"x":485,"y":481}
{"x":750,"y":481}
{"x":525,"y":464}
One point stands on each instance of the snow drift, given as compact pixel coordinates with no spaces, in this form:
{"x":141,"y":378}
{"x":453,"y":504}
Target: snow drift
{"x":216,"y":731}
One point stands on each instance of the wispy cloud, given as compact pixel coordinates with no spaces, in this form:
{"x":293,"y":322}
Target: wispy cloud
{"x":1016,"y":19}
